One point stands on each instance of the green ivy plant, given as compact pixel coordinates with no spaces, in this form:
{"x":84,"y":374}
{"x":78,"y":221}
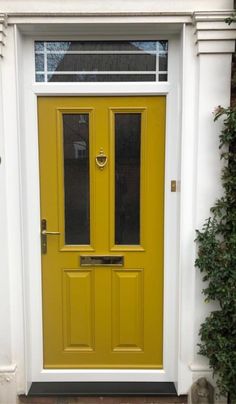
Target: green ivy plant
{"x":231,"y":19}
{"x":217,"y":262}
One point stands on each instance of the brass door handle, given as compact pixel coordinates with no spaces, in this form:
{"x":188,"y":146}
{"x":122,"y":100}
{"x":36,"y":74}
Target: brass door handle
{"x":44,"y":234}
{"x":51,"y":233}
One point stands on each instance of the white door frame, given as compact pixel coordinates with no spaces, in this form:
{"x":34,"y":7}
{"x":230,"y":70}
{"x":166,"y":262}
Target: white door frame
{"x":28,"y":91}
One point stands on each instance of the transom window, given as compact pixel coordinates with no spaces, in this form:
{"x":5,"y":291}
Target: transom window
{"x":80,"y":61}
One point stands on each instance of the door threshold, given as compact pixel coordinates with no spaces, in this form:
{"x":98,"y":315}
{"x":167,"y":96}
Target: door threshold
{"x":102,"y":389}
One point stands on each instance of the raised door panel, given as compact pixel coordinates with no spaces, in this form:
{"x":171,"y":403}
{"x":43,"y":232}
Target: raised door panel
{"x":78,"y":310}
{"x":127,"y":310}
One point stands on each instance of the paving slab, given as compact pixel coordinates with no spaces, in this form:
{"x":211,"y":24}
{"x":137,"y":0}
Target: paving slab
{"x":102,"y":400}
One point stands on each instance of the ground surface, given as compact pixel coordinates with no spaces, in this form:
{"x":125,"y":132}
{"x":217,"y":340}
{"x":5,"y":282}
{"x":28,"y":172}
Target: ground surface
{"x":102,"y":400}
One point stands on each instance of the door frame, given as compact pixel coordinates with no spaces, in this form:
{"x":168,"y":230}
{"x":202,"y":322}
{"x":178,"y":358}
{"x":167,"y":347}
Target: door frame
{"x":30,"y":204}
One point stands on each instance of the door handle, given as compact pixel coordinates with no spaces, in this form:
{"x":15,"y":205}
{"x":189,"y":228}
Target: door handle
{"x":51,"y":233}
{"x":44,"y":234}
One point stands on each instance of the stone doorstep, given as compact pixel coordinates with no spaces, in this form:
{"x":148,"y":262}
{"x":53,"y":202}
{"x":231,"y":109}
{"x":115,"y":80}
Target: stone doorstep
{"x":101,"y":400}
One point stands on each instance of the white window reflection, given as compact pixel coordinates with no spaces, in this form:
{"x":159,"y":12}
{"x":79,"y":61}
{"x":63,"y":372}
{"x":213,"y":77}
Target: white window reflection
{"x":80,"y":148}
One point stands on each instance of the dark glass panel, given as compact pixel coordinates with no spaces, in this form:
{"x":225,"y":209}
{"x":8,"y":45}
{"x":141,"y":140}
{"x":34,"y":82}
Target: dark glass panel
{"x":140,"y":46}
{"x":58,"y":46}
{"x":127,"y":178}
{"x":145,"y":46}
{"x":163,"y":46}
{"x":39,"y":46}
{"x":163,"y":62}
{"x":102,"y":62}
{"x":55,"y":61}
{"x":122,"y":56}
{"x":100,"y":77}
{"x":39,"y":77}
{"x":162,"y":77}
{"x":39,"y":62}
{"x":76,"y":178}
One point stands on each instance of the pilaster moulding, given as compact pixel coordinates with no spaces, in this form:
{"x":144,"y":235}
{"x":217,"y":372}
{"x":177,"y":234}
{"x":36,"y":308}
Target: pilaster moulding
{"x":70,"y":18}
{"x":3,"y":26}
{"x":194,"y":367}
{"x":7,"y":374}
{"x":213,"y":34}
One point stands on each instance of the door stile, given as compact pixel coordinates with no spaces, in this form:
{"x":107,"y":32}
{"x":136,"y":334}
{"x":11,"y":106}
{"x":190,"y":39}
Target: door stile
{"x":101,"y":177}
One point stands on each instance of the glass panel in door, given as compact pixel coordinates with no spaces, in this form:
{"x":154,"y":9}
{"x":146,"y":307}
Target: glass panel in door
{"x":76,"y":178}
{"x":127,"y":178}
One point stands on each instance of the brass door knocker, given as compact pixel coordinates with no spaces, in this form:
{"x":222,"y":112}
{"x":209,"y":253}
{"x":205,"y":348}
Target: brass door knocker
{"x":101,"y":159}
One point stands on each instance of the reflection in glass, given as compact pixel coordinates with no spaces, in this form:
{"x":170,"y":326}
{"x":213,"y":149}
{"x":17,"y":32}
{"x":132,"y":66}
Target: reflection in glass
{"x":127,"y":178}
{"x":54,"y":62}
{"x":163,"y":62}
{"x":89,"y":62}
{"x":39,"y":77}
{"x":163,"y":46}
{"x":162,"y":77}
{"x":100,"y":77}
{"x":76,"y":178}
{"x":68,"y":61}
{"x":39,"y":61}
{"x":39,"y":46}
{"x":113,"y":46}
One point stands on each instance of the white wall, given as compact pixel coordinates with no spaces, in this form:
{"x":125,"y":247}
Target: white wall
{"x":113,"y":6}
{"x":5,"y":348}
{"x":213,"y":90}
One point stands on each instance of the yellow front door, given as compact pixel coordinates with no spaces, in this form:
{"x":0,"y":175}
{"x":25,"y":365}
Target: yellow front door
{"x":102,"y":190}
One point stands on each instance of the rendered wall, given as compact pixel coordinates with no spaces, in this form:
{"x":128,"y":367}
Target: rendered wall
{"x":16,"y":6}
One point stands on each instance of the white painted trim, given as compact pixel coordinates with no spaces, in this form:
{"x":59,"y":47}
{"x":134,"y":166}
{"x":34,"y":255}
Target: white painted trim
{"x":130,"y":88}
{"x":217,"y":36}
{"x":23,"y":354}
{"x":110,"y":375}
{"x":8,"y":369}
{"x":186,"y":235}
{"x":31,"y":18}
{"x":5,"y":310}
{"x":90,"y":18}
{"x":2,"y":33}
{"x":108,"y":14}
{"x":212,"y":16}
{"x":199,"y":368}
{"x":30,"y":193}
{"x":13,"y":208}
{"x":214,"y":47}
{"x":8,"y":384}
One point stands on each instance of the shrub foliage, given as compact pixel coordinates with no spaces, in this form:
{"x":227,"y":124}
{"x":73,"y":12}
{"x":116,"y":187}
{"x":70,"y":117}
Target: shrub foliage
{"x":217,"y":261}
